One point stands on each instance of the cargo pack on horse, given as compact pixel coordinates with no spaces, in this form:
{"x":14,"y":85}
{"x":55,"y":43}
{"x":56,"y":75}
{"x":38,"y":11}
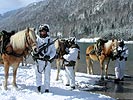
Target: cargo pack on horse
{"x":20,"y":44}
{"x":101,"y":52}
{"x":62,"y":46}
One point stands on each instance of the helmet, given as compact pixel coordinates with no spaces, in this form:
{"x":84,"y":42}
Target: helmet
{"x":44,"y":27}
{"x":73,"y":39}
{"x":121,"y":43}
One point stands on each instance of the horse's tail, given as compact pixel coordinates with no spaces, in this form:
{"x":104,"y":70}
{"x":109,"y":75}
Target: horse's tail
{"x":87,"y":56}
{"x":1,"y":60}
{"x":89,"y":64}
{"x":88,"y":59}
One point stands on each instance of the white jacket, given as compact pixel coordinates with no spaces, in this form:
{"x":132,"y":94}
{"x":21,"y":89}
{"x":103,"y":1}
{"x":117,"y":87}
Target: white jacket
{"x":73,"y":54}
{"x":124,"y":51}
{"x":50,"y":51}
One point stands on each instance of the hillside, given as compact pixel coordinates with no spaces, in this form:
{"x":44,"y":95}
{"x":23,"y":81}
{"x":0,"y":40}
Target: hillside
{"x":82,"y":17}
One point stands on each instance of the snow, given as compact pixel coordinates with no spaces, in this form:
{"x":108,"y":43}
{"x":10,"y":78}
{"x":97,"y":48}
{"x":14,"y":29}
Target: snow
{"x":27,"y":86}
{"x":93,"y":40}
{"x":90,"y":40}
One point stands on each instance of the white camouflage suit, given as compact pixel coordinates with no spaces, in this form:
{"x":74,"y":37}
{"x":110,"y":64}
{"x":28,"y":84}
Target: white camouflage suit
{"x":69,"y":70}
{"x":120,"y":64}
{"x":51,"y":51}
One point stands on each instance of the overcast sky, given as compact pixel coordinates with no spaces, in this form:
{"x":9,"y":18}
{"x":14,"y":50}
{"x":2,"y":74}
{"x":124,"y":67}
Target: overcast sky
{"x":7,"y":5}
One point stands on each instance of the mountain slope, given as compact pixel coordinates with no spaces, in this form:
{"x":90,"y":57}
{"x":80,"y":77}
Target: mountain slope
{"x":85,"y":17}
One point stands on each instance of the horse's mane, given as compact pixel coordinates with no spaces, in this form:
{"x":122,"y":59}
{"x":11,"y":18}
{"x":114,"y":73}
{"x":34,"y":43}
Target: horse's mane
{"x":108,"y":44}
{"x":32,"y":36}
{"x":57,"y":43}
{"x":18,"y":40}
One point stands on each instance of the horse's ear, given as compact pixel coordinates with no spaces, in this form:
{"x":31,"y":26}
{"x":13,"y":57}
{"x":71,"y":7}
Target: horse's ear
{"x":27,"y":29}
{"x":34,"y":29}
{"x":112,"y":40}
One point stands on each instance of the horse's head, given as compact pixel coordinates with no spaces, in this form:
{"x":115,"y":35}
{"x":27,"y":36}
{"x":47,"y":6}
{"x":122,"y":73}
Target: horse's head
{"x":60,"y":47}
{"x":31,"y":40}
{"x":70,"y":42}
{"x":114,"y":47}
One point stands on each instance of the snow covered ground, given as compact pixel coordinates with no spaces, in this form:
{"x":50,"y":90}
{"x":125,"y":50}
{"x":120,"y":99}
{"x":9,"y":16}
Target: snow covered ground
{"x":27,"y":87}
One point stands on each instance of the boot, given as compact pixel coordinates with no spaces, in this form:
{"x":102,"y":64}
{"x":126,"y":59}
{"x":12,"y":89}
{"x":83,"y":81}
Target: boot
{"x":39,"y":88}
{"x":47,"y":91}
{"x":72,"y":87}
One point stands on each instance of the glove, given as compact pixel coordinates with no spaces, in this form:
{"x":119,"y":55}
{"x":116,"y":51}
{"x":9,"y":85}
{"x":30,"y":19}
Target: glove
{"x":46,"y":58}
{"x":113,"y":58}
{"x":126,"y":59}
{"x":35,"y":56}
{"x":66,"y":51}
{"x":78,"y":57}
{"x":56,"y":56}
{"x":121,"y":58}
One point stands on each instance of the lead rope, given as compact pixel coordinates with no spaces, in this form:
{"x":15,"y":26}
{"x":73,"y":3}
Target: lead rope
{"x":46,"y":63}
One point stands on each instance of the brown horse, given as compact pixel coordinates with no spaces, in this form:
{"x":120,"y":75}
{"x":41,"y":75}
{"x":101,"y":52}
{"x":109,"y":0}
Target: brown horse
{"x":21,"y":44}
{"x":62,"y":46}
{"x":109,"y":50}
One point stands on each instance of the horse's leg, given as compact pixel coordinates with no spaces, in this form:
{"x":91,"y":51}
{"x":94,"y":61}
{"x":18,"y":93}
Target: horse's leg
{"x":102,"y":68}
{"x":14,"y":75}
{"x":77,"y":62}
{"x":6,"y":70}
{"x":89,"y":65}
{"x":76,"y":66}
{"x":106,"y":69}
{"x":23,"y":62}
{"x":58,"y":69}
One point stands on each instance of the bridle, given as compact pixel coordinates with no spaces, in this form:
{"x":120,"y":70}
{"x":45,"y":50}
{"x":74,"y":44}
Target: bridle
{"x":29,"y":43}
{"x":114,"y":51}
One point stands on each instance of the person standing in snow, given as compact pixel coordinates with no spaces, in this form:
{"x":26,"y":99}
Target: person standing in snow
{"x":69,"y":63}
{"x":120,"y":61}
{"x":44,"y":58}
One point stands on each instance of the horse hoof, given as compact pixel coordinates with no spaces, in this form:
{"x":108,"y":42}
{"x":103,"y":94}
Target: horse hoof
{"x":102,"y":79}
{"x":14,"y":85}
{"x":57,"y":79}
{"x":106,"y":77}
{"x":5,"y":88}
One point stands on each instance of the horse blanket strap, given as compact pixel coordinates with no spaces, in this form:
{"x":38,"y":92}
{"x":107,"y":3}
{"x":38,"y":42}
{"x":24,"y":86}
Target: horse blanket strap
{"x":69,"y":63}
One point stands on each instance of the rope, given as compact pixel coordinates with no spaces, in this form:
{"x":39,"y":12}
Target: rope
{"x":46,"y":63}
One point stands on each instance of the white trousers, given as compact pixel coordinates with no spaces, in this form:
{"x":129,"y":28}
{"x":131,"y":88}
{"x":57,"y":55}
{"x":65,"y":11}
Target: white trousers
{"x":119,"y":68}
{"x":46,"y":70}
{"x":70,"y":77}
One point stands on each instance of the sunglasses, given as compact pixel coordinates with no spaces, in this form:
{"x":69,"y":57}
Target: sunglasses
{"x":41,"y":30}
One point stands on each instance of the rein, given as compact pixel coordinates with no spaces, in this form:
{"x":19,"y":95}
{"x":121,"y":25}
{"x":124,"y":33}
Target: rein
{"x":43,"y":67}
